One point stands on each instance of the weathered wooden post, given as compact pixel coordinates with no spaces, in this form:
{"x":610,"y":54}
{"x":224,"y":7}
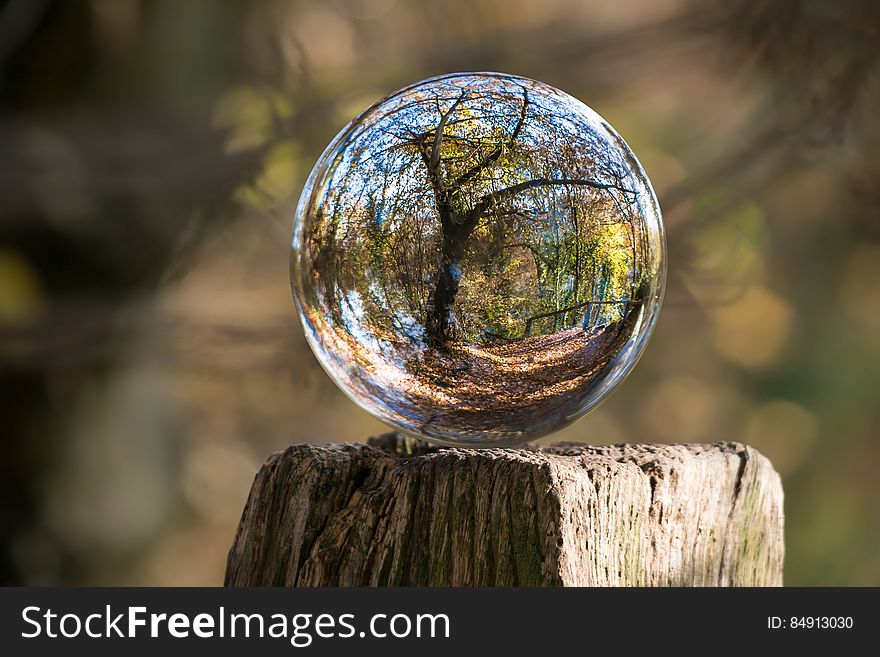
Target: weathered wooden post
{"x":397,"y":512}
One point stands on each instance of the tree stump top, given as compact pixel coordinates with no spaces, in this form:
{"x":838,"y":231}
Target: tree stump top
{"x":398,"y":512}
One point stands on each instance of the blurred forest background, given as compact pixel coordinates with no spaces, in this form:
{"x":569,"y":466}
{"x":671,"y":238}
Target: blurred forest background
{"x":153,"y":152}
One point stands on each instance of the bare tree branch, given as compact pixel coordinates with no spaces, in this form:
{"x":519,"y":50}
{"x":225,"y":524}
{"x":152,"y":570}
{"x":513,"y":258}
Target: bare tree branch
{"x":494,"y":155}
{"x":494,"y":197}
{"x":434,"y":162}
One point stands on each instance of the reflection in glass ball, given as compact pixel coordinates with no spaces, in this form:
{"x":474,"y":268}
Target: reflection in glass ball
{"x":478,"y":259}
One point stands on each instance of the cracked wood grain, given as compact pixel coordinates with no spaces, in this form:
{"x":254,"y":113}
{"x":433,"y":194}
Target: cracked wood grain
{"x":398,"y":512}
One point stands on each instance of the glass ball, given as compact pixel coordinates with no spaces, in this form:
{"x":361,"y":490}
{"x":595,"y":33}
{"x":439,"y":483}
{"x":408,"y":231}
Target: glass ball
{"x":478,"y":259}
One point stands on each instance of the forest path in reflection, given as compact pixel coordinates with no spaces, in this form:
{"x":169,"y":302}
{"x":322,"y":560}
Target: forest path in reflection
{"x":498,"y":390}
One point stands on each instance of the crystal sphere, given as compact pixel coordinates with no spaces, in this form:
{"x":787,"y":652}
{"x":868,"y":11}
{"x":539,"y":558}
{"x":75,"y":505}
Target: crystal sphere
{"x":478,"y":259}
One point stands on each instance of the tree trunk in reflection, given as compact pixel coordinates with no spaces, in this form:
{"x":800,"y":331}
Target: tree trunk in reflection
{"x":439,"y":320}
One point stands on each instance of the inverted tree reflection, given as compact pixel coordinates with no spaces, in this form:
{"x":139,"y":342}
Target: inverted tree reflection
{"x":470,"y":213}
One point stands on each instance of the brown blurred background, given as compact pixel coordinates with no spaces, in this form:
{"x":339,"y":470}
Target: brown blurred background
{"x":153,"y":152}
